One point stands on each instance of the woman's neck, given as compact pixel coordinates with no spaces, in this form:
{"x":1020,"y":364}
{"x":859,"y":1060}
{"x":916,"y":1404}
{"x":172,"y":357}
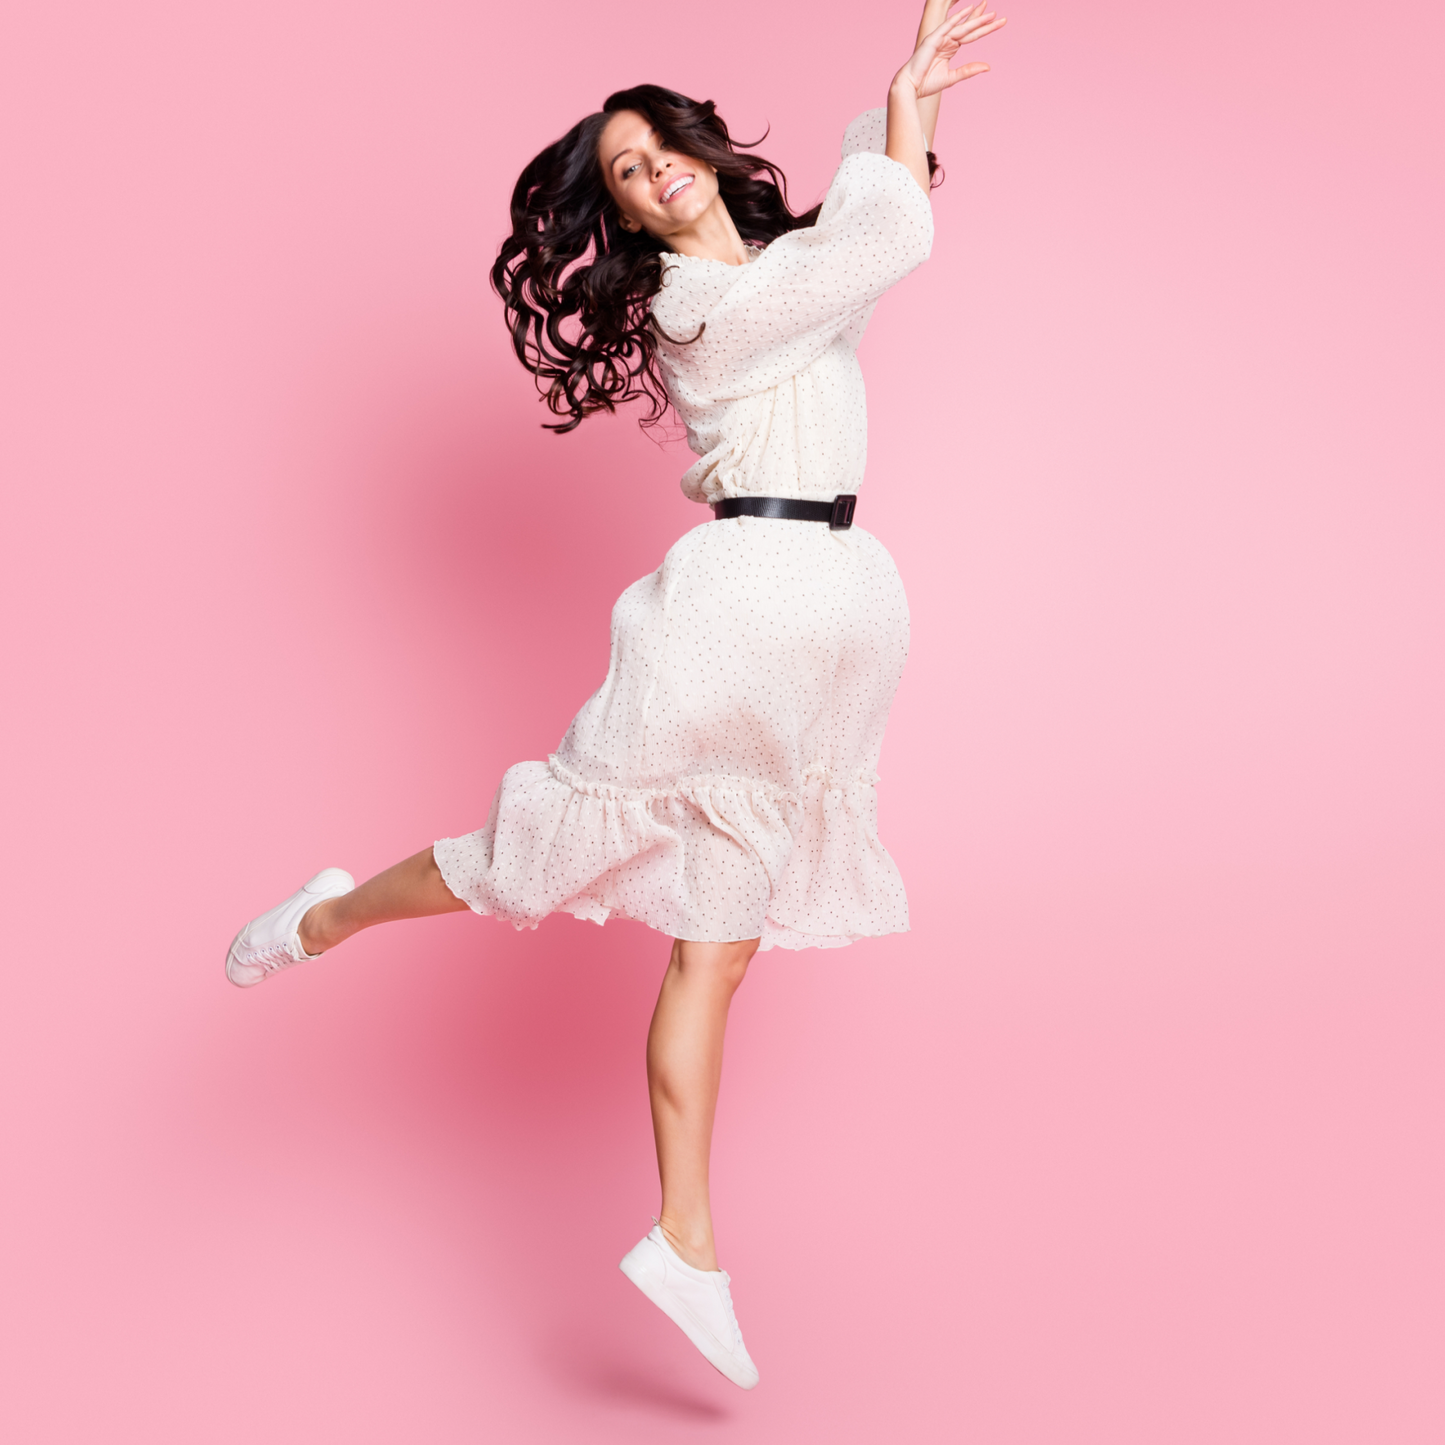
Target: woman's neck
{"x":711,"y":237}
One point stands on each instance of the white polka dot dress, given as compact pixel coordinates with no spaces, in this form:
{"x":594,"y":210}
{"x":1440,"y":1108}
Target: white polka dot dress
{"x":720,"y":784}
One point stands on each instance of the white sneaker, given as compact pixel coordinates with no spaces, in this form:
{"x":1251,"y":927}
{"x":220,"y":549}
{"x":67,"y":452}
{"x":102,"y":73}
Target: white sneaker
{"x":698,"y":1301}
{"x":270,"y":943}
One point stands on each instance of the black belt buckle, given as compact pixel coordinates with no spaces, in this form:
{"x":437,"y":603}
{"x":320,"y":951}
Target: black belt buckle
{"x":842,"y":517}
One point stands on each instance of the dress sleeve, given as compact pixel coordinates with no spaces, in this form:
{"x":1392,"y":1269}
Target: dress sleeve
{"x":868,"y":133}
{"x":810,"y":285}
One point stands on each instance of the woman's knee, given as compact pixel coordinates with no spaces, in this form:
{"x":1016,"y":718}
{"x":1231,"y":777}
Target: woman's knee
{"x":727,"y":962}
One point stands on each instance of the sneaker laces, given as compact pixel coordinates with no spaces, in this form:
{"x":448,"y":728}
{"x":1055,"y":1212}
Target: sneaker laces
{"x":727,"y":1295}
{"x":274,"y":958}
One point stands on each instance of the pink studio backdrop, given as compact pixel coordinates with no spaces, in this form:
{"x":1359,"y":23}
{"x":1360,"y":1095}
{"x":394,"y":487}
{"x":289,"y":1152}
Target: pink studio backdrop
{"x":1135,"y":1138}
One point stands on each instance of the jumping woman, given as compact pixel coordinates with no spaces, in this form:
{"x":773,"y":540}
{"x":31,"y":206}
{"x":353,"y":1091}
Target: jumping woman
{"x":719,"y":786}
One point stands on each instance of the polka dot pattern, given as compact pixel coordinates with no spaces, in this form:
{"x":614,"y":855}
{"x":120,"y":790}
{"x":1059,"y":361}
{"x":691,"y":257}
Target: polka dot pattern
{"x":720,"y":784}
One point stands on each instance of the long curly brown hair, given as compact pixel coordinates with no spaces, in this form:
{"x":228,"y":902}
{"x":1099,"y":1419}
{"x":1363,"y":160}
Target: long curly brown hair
{"x":576,"y":286}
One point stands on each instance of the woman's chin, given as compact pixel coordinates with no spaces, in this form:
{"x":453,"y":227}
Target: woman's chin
{"x":688,"y":213}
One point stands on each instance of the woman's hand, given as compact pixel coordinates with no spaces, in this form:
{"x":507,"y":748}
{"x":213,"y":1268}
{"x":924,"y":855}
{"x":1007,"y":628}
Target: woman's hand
{"x":927,"y":69}
{"x":926,"y":76}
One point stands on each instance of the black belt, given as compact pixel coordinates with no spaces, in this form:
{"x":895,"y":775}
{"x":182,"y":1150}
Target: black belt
{"x":838,"y":513}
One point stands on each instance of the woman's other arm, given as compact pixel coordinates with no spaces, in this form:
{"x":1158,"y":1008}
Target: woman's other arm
{"x":935,"y":12}
{"x":913,"y":96}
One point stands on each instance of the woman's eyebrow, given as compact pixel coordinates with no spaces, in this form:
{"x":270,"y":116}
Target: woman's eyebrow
{"x":627,"y":150}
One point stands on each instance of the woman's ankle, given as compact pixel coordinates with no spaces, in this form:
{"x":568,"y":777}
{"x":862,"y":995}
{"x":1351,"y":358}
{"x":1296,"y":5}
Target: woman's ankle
{"x":692,"y":1243}
{"x":313,"y":932}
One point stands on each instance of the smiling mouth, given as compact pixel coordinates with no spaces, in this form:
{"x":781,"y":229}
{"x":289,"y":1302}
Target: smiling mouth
{"x":678,"y":186}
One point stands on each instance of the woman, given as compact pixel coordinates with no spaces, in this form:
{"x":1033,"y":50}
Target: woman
{"x":719,"y":785}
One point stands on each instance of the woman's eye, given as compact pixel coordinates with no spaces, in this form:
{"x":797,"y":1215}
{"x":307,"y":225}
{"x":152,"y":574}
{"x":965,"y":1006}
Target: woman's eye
{"x":629,"y":170}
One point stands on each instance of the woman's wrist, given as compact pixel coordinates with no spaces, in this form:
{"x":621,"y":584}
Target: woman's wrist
{"x":903,"y":87}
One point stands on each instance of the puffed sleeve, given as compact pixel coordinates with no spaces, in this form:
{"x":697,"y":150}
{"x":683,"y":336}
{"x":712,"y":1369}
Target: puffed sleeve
{"x":808,"y":286}
{"x":868,"y":133}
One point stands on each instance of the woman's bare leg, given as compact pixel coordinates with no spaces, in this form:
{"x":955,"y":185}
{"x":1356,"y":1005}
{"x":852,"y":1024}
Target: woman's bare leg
{"x":684,"y":1044}
{"x":684,"y":1069}
{"x":409,"y":889}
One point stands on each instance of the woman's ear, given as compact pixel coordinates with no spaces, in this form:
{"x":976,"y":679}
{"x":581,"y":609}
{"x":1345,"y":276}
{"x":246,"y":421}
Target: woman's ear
{"x":627,"y":223}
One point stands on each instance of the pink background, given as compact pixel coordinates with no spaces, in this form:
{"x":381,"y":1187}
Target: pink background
{"x":1135,"y":1138}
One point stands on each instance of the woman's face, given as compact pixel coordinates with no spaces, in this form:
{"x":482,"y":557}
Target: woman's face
{"x":656,"y":189}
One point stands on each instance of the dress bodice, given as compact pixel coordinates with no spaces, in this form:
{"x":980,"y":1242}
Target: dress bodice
{"x":770,"y":390}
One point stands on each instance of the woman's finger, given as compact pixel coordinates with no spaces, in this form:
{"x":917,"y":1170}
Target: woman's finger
{"x":955,"y":25}
{"x":995,"y":23}
{"x":965,"y":28}
{"x":941,"y":79}
{"x":967,"y":72}
{"x":970,"y":14}
{"x":976,"y":19}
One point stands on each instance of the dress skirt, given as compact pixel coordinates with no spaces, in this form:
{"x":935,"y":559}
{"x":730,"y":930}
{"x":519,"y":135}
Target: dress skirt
{"x":721,"y":783}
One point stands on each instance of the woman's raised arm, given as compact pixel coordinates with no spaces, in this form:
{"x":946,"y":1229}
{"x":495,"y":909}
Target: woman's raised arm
{"x":935,"y":12}
{"x":913,"y":96}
